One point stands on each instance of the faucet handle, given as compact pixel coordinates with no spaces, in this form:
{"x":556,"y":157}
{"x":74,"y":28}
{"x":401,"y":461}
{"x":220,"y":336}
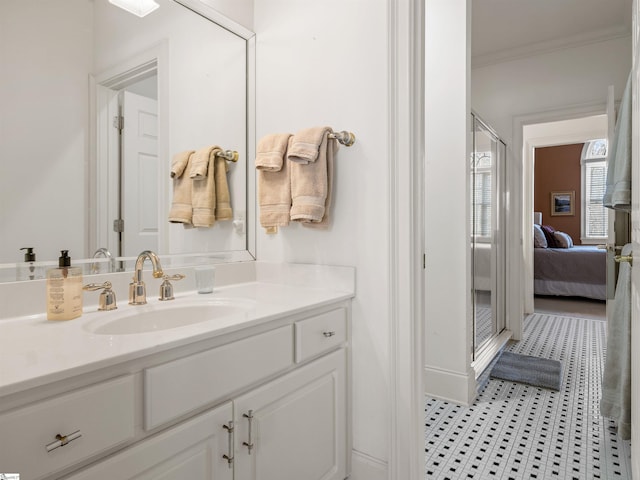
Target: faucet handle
{"x":107,"y":300}
{"x":166,"y":289}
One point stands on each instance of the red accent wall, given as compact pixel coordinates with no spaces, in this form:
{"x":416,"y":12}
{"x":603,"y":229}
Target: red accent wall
{"x":557,"y":169}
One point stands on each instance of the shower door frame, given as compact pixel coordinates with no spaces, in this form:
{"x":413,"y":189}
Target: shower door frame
{"x":484,"y":352}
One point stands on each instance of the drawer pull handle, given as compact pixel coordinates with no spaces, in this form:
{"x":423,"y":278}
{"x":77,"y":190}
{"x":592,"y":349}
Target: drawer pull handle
{"x":229,"y":458}
{"x":249,"y":444}
{"x":328,"y":334}
{"x":62,"y":440}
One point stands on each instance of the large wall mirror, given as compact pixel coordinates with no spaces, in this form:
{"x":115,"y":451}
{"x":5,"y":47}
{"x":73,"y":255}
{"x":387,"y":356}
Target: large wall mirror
{"x":182,"y":79}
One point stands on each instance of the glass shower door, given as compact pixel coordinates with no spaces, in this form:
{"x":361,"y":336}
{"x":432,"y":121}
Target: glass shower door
{"x":487,"y":186}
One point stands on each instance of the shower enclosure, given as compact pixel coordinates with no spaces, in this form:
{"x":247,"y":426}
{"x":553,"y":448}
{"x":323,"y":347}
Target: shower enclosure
{"x":487,"y":184}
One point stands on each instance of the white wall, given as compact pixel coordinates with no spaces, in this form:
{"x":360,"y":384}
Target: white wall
{"x":240,"y":11}
{"x":45,"y":59}
{"x":448,"y":329}
{"x":563,"y":78}
{"x":326,"y":63}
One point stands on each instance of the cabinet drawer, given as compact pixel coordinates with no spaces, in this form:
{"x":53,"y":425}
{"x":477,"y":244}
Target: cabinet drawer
{"x":320,"y":333}
{"x":103,"y":413}
{"x":183,"y":385}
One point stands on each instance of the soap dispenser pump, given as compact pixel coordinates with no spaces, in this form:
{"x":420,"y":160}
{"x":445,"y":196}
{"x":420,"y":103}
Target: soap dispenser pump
{"x":64,"y":290}
{"x":28,"y":270}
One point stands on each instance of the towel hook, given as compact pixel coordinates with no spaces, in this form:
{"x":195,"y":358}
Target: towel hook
{"x":345,"y":138}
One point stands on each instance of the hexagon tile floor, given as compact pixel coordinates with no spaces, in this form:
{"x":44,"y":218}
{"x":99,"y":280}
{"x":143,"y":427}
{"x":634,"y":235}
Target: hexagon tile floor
{"x":515,"y":431}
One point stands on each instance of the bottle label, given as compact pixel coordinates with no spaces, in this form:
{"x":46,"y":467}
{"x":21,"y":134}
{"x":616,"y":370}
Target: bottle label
{"x":64,"y":294}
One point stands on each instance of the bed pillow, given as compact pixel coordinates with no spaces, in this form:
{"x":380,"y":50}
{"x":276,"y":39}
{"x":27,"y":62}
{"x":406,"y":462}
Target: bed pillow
{"x":549,"y":235}
{"x":563,"y":240}
{"x":539,"y":240}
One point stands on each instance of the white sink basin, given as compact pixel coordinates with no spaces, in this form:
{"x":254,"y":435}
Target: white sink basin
{"x":164,"y":316}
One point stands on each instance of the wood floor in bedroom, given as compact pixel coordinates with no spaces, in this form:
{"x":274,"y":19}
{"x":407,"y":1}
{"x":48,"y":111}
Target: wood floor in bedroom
{"x":572,"y":306}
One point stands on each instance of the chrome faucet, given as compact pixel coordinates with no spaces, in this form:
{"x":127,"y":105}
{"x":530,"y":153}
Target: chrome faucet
{"x":137,"y":290}
{"x":95,"y":266}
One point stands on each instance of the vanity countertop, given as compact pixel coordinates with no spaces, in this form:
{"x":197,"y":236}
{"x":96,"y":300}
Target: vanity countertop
{"x":36,"y":351}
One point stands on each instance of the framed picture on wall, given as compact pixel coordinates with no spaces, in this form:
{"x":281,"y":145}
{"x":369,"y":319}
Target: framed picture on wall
{"x":562,"y":203}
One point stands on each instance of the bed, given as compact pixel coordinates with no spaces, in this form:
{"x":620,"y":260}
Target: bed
{"x":577,"y":271}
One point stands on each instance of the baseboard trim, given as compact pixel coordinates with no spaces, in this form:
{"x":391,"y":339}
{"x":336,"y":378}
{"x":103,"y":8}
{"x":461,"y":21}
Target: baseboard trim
{"x":450,"y":386}
{"x":366,"y":467}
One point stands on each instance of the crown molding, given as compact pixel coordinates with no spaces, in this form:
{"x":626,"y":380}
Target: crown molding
{"x":540,"y":48}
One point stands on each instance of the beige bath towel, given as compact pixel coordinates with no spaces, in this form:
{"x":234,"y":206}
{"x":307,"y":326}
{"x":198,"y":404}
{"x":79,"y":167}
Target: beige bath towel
{"x":306,"y":144}
{"x":311,"y":185}
{"x":200,"y":162}
{"x":274,"y":196}
{"x":223,"y":198}
{"x":203,"y":194}
{"x":271,"y":151}
{"x":181,"y":211}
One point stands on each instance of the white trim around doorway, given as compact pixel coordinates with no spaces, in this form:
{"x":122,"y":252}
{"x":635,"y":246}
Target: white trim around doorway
{"x":406,"y":158}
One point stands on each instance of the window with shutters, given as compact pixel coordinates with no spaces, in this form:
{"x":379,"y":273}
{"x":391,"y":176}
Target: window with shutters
{"x":481,"y":218}
{"x":594,"y":175}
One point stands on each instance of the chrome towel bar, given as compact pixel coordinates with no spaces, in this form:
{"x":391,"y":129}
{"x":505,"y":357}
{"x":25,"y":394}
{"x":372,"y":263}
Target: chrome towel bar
{"x":230,"y":155}
{"x":345,"y":138}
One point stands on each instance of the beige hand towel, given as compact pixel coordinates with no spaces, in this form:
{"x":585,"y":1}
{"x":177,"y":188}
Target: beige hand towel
{"x":271,"y":150}
{"x":306,"y":144}
{"x":223,"y":198}
{"x":203,"y":194}
{"x":310,"y":185}
{"x":332,"y":148}
{"x":274,"y":195}
{"x":181,"y":211}
{"x":200,"y":162}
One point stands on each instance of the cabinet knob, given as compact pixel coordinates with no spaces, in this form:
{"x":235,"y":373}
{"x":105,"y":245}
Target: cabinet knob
{"x":328,"y":334}
{"x":62,"y":440}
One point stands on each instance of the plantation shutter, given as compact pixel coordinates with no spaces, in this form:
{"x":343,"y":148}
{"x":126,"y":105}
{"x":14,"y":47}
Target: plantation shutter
{"x":481,"y":221}
{"x":595,"y":214}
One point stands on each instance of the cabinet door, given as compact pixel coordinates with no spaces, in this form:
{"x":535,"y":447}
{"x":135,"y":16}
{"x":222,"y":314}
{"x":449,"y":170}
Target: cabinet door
{"x":295,"y":427}
{"x":192,"y":450}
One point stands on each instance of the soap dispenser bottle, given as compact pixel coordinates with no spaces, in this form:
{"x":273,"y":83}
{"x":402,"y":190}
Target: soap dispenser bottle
{"x":64,"y":290}
{"x":28,"y":270}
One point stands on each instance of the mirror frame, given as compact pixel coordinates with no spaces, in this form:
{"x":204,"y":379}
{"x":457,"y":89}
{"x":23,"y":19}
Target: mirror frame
{"x":99,"y":226}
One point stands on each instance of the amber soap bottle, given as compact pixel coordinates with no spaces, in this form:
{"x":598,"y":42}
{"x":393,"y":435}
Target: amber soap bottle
{"x":64,"y":290}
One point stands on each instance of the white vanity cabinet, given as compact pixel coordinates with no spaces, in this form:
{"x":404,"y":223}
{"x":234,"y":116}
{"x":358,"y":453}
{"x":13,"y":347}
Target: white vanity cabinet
{"x":267,"y":400}
{"x":291,"y":428}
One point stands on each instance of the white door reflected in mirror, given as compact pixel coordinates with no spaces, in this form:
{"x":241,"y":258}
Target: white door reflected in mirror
{"x":140,"y":179}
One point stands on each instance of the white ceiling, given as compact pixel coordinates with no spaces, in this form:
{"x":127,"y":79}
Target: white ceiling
{"x":511,"y":28}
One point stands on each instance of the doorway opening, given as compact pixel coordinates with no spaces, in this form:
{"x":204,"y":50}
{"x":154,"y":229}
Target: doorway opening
{"x":129,"y":137}
{"x":538,"y":135}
